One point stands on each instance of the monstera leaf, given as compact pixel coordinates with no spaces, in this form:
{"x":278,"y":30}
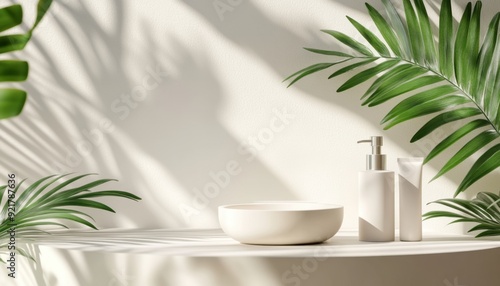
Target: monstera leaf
{"x":454,"y":76}
{"x":12,"y":99}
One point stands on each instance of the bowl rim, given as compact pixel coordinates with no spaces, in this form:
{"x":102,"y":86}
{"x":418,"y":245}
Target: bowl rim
{"x":319,"y":206}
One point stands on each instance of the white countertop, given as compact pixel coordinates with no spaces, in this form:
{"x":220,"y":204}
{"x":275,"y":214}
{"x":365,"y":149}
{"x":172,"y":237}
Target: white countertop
{"x":214,"y":243}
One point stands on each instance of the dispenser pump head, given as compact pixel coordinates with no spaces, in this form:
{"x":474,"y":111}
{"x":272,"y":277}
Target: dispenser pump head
{"x":375,"y":160}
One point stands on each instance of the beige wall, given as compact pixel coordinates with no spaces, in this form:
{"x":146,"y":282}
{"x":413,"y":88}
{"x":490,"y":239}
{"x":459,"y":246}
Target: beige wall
{"x":166,"y":96}
{"x":162,"y":94}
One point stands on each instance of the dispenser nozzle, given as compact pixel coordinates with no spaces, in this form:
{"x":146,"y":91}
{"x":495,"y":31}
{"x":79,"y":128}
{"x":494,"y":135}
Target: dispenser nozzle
{"x":376,"y":160}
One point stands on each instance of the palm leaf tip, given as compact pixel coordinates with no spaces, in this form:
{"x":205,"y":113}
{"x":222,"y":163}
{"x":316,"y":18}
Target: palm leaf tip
{"x":328,"y":52}
{"x":350,"y":42}
{"x":377,"y":44}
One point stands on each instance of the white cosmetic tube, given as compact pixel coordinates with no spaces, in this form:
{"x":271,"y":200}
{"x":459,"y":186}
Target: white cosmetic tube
{"x":410,"y":198}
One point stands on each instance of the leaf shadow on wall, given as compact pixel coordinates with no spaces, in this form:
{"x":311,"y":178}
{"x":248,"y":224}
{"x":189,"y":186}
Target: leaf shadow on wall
{"x":193,"y":144}
{"x":183,"y":139}
{"x":247,"y":26}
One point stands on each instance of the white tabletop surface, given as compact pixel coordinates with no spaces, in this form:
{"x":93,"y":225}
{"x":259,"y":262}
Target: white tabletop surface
{"x":214,"y":243}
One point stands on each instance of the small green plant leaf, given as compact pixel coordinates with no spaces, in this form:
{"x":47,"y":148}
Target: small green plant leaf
{"x":113,"y":193}
{"x":377,"y":44}
{"x":444,"y":118}
{"x":487,"y":163}
{"x":399,"y":28}
{"x":82,"y":203}
{"x":493,"y":232}
{"x":435,"y":214}
{"x":471,"y":80}
{"x":2,"y":191}
{"x":10,"y":17}
{"x":8,"y":201}
{"x":352,"y":67}
{"x":35,"y":194}
{"x":350,"y":42}
{"x":474,"y":211}
{"x":489,"y":201}
{"x":67,"y":216}
{"x":329,"y":53}
{"x":465,"y":206}
{"x":309,"y":70}
{"x":411,"y":85}
{"x":13,"y":70}
{"x":46,"y":202}
{"x":468,"y":150}
{"x":485,"y":55}
{"x":399,"y":73}
{"x":460,"y":53}
{"x":414,"y":32}
{"x":10,"y":43}
{"x":454,"y":137}
{"x":417,"y":99}
{"x":25,"y":195}
{"x":426,"y":108}
{"x":47,"y":196}
{"x":445,"y":39}
{"x":426,"y":32}
{"x":26,"y":216}
{"x":42,"y":9}
{"x":366,"y":75}
{"x":385,"y":30}
{"x":11,"y":102}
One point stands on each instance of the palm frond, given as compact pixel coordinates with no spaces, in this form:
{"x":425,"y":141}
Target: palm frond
{"x":456,"y":77}
{"x":12,"y":99}
{"x":484,"y":211}
{"x":48,"y":202}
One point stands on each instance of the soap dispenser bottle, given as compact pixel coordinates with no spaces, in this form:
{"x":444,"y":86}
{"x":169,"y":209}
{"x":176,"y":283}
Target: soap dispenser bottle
{"x":376,"y":196}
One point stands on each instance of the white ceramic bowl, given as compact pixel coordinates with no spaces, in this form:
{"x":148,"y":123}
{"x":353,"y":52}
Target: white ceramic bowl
{"x":281,"y":223}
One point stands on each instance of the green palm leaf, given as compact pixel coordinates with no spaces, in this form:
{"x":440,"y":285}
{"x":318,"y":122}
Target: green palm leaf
{"x":474,"y":145}
{"x":309,"y":70}
{"x":455,"y":78}
{"x":460,"y":53}
{"x":12,"y":100}
{"x":350,"y":42}
{"x":427,"y":37}
{"x":445,"y":40}
{"x":386,"y":31}
{"x":371,"y":38}
{"x":410,"y":85}
{"x":48,"y":202}
{"x":428,"y":107}
{"x":444,"y":118}
{"x":400,"y":74}
{"x":472,"y":48}
{"x":414,"y":32}
{"x":329,"y":53}
{"x":366,"y":75}
{"x":417,"y":100}
{"x":399,"y":28}
{"x":479,"y":210}
{"x":455,"y":136}
{"x":351,"y":67}
{"x":488,"y":162}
